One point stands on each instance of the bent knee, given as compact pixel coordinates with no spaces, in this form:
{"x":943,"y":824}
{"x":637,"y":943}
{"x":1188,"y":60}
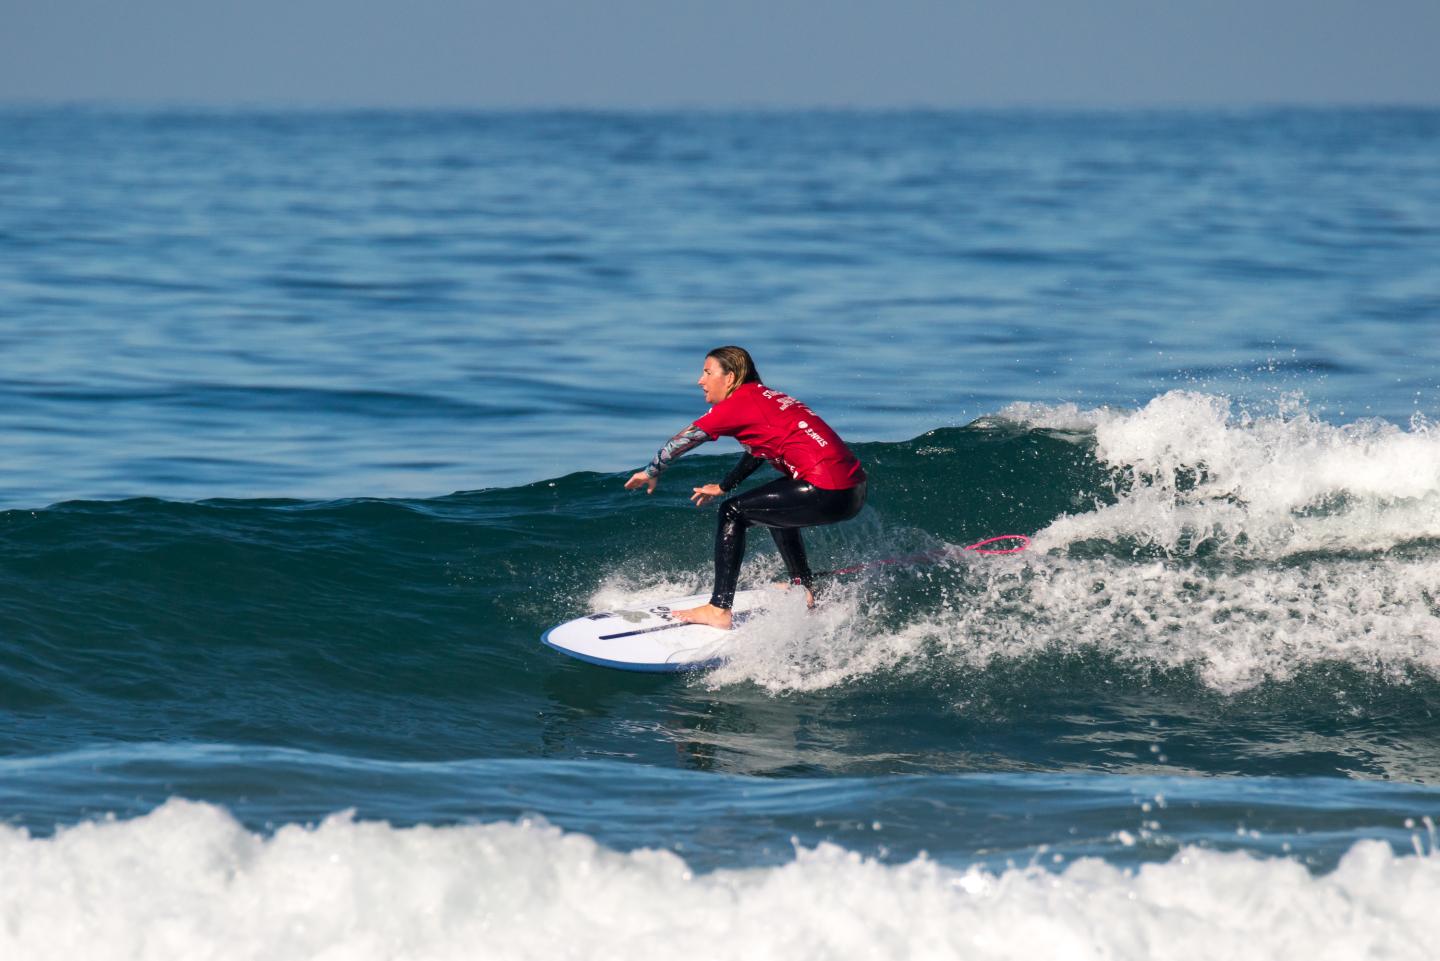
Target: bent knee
{"x":730,"y":511}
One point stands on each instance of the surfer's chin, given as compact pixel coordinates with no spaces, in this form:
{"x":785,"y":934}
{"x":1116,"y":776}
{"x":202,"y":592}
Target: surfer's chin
{"x":707,"y":614}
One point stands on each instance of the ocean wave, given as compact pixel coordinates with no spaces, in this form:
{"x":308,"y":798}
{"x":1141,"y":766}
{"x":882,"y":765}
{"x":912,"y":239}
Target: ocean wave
{"x":187,"y":880}
{"x":1228,"y":549}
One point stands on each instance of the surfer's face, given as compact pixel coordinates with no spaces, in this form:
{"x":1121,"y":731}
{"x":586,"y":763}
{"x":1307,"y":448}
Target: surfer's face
{"x":715,"y":382}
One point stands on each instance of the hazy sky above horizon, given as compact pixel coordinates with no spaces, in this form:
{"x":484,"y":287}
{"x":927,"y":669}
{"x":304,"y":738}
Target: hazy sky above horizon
{"x":741,"y":53}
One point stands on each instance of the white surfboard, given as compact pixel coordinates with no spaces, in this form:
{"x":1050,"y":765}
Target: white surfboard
{"x":649,"y":638}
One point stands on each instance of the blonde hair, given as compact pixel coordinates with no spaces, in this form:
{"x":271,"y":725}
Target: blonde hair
{"x":737,"y":361}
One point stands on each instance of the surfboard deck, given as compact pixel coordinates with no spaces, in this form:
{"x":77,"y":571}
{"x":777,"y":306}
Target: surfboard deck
{"x":648,"y":638}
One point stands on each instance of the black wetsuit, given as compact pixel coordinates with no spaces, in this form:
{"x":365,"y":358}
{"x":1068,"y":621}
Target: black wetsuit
{"x":785,"y":506}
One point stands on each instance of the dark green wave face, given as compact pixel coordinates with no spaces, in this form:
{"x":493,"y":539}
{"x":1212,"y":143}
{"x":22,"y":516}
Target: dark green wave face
{"x":409,"y":630}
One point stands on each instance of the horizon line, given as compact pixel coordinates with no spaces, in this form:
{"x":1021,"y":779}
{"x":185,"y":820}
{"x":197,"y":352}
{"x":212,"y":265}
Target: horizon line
{"x":562,"y":107}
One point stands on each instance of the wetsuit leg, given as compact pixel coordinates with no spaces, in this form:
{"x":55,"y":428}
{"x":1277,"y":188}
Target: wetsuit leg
{"x":792,"y":552}
{"x":782,"y":505}
{"x":729,"y":548}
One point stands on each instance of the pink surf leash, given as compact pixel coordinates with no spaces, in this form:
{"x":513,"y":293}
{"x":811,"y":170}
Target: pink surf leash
{"x":1024,"y":543}
{"x":929,"y":557}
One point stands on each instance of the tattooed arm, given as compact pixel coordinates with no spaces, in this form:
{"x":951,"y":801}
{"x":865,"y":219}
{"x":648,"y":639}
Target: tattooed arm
{"x":688,"y":439}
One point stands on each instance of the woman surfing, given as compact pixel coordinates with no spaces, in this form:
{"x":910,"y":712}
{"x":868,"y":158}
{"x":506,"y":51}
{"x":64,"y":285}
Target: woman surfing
{"x":823,"y":481}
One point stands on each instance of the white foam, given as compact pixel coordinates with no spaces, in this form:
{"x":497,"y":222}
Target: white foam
{"x":1204,"y":476}
{"x":187,"y":881}
{"x":626,"y":589}
{"x":1235,"y":628}
{"x":794,"y":648}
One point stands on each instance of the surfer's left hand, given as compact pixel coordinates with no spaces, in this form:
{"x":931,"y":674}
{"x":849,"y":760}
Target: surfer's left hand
{"x":706,"y":494}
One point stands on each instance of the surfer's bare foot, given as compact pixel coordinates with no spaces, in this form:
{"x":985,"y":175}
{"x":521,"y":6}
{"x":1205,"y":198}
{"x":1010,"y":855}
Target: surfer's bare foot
{"x":705,"y":614}
{"x":786,"y":585}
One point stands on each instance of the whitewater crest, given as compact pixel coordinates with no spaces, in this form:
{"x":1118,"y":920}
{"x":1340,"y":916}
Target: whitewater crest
{"x":187,"y":880}
{"x":1196,"y":475}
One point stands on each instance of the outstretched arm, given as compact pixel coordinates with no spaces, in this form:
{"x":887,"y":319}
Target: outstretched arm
{"x":688,"y":439}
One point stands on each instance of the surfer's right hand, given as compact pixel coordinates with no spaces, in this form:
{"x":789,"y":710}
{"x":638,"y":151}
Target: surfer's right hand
{"x":641,"y":479}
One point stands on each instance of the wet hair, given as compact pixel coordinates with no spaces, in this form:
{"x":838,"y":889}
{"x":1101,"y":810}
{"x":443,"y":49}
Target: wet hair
{"x":737,"y":361}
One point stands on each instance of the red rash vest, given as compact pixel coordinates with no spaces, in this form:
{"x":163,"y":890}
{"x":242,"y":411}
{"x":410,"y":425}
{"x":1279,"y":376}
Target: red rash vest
{"x":780,"y":429}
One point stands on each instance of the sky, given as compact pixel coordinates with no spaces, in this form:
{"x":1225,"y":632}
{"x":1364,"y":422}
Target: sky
{"x":649,"y":54}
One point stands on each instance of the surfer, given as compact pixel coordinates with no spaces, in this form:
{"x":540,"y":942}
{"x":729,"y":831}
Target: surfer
{"x":823,"y":482}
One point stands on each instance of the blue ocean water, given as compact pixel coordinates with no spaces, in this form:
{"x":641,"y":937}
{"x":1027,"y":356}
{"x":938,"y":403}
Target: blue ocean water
{"x":314,"y":421}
